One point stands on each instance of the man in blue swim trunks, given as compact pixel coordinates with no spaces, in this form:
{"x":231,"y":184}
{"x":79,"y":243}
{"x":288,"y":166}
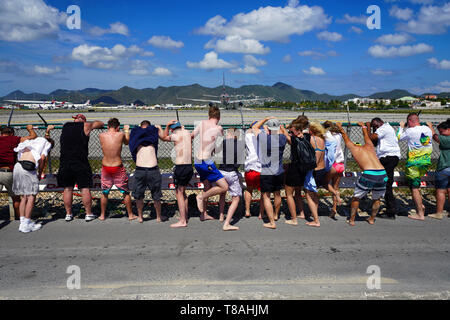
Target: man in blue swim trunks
{"x":374,"y":177}
{"x":208,"y":131}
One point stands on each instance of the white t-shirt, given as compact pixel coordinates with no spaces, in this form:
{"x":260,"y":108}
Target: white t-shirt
{"x":387,"y":142}
{"x":339,"y":152}
{"x":419,"y":139}
{"x":251,"y":161}
{"x":38,"y":147}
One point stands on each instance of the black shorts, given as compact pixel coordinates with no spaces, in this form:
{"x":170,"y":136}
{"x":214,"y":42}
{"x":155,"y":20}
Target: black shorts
{"x":272,"y":183}
{"x":295,"y":177}
{"x":147,"y":178}
{"x":321,"y":178}
{"x":182,"y":175}
{"x":75,"y":173}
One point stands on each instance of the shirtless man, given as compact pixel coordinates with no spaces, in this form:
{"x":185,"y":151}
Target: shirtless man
{"x":374,"y":177}
{"x":208,"y":130}
{"x":113,"y":171}
{"x":183,"y":167}
{"x":143,"y":146}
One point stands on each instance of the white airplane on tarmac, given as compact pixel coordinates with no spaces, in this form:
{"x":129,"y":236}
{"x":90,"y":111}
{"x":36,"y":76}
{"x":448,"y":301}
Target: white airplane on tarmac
{"x":46,"y":105}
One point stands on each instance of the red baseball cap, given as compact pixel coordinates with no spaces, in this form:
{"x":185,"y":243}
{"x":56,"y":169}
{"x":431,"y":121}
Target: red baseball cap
{"x":80,"y":116}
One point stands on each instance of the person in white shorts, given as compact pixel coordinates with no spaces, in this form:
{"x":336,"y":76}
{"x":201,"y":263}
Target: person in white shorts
{"x":229,"y":169}
{"x":32,"y":155}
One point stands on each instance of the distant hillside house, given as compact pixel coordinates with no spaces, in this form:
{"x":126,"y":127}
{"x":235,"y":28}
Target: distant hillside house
{"x":408,"y":99}
{"x":431,"y":97}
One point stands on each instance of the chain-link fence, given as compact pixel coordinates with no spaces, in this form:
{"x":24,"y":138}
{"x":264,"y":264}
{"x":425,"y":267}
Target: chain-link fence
{"x":165,"y":151}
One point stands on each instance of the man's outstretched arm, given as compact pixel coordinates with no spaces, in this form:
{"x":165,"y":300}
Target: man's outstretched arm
{"x":365,"y":131}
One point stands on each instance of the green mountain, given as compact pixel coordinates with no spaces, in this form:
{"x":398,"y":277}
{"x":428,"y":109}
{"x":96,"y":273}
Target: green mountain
{"x":126,"y":95}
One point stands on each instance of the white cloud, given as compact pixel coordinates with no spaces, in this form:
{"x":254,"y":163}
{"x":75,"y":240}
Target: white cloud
{"x":380,"y":72}
{"x":162,"y":72}
{"x":379,"y":51}
{"x":139,"y":68}
{"x":430,"y":20}
{"x":287,"y":58}
{"x":27,"y":20}
{"x":394,"y":39}
{"x":246,"y":70}
{"x":236,"y":44}
{"x":314,"y":71}
{"x":269,"y":23}
{"x":114,"y":28}
{"x":252,"y":61}
{"x":329,"y":36}
{"x":348,"y":19}
{"x":317,"y":55}
{"x":443,"y":86}
{"x":250,"y":64}
{"x":105,"y":58}
{"x":210,"y":61}
{"x":42,"y":70}
{"x":311,"y":53}
{"x":356,"y":30}
{"x":401,"y":14}
{"x":165,"y":42}
{"x":443,"y":65}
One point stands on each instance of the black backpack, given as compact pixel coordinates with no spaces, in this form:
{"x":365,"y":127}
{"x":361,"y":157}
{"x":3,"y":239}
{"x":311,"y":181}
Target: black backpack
{"x":303,"y":153}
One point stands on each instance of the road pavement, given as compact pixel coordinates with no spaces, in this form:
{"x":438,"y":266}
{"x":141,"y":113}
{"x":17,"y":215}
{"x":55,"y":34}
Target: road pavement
{"x":118,"y":259}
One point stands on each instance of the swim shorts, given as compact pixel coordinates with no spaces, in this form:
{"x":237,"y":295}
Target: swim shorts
{"x":234,"y":183}
{"x":321,"y":178}
{"x":182,"y":175}
{"x":272,"y":183}
{"x":208,"y":171}
{"x":253,"y":180}
{"x":339,"y":167}
{"x":114,"y":176}
{"x":147,"y":178}
{"x":442,"y":179}
{"x":371,"y":180}
{"x":295,"y":177}
{"x":414,"y":174}
{"x":75,"y":173}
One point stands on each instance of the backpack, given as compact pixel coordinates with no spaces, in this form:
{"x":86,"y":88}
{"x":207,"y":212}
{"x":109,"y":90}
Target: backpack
{"x":303,"y":153}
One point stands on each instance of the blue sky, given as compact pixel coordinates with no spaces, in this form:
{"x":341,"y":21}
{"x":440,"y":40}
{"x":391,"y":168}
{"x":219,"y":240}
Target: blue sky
{"x":324,"y":46}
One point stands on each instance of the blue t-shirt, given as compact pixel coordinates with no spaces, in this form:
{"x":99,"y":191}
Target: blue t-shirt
{"x":270,"y":153}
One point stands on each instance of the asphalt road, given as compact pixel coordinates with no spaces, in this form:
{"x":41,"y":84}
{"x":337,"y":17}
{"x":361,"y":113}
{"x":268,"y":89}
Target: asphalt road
{"x":123,"y":260}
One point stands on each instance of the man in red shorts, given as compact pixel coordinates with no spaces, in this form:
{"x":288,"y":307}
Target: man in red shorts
{"x":252,"y":171}
{"x":113,"y":171}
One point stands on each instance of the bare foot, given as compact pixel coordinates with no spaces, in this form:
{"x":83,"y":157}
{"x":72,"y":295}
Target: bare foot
{"x":302,"y":216}
{"x":351,"y":223}
{"x":101,"y":218}
{"x":132,"y":218}
{"x":247,"y":215}
{"x":276,"y":218}
{"x":222,"y":217}
{"x":141,"y":220}
{"x":206,"y":217}
{"x":292,"y":222}
{"x":199,"y":203}
{"x":269,"y":226}
{"x":230,"y":228}
{"x":438,"y":216}
{"x":371,"y":221}
{"x":260,"y":217}
{"x":313,"y":224}
{"x":179,"y":224}
{"x":416,"y":217}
